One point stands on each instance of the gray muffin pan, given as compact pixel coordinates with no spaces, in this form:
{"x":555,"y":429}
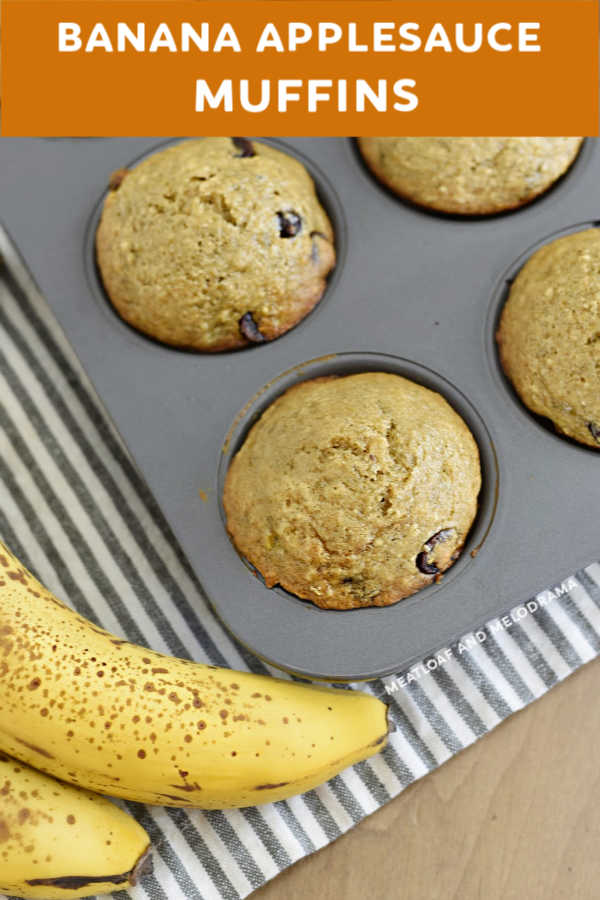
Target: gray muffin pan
{"x":414,"y":293}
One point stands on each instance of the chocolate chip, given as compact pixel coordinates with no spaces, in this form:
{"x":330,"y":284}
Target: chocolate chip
{"x":116,"y":179}
{"x":249,"y":329}
{"x":424,"y":566}
{"x":594,"y":431}
{"x":422,"y":560}
{"x":246,"y":147}
{"x":437,"y":538}
{"x":290,"y":223}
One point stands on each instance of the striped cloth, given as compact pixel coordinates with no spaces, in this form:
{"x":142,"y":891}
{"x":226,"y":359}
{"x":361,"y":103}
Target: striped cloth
{"x":75,"y":510}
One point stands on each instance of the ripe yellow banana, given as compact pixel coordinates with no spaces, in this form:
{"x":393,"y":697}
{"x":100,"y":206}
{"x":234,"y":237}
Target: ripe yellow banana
{"x":57,"y":841}
{"x":116,"y":718}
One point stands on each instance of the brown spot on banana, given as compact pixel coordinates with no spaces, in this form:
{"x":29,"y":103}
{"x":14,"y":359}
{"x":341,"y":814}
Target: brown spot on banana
{"x":77,"y":882}
{"x":270,"y":787}
{"x":35,"y":749}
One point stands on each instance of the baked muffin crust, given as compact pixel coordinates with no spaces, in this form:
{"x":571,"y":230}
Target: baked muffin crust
{"x":214,"y":244}
{"x":470,"y":176}
{"x":354,"y":491}
{"x":549,"y":335}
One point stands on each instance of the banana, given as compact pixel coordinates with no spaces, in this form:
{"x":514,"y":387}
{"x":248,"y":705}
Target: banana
{"x":57,"y":841}
{"x":102,"y":713}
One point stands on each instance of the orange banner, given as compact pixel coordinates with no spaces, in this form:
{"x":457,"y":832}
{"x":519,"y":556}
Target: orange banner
{"x":320,"y":67}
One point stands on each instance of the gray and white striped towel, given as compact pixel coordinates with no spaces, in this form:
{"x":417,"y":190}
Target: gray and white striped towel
{"x":74,"y":509}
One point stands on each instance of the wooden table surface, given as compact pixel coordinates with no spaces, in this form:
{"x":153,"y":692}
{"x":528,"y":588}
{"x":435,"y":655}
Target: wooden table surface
{"x":514,"y":817}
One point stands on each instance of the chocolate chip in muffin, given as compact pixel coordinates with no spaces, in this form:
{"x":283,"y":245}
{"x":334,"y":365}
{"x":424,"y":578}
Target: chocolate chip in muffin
{"x":290,"y":223}
{"x":422,"y":561}
{"x":245,"y":146}
{"x":250,"y":330}
{"x":424,"y":566}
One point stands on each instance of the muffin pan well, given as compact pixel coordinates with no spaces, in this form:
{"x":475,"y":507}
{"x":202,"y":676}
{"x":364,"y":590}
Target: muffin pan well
{"x":411,"y":294}
{"x":341,"y":364}
{"x":327,"y":197}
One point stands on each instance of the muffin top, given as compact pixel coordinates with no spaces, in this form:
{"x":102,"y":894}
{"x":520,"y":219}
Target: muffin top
{"x":549,"y":335}
{"x":472,"y":176}
{"x":214,"y":244}
{"x":353,"y":491}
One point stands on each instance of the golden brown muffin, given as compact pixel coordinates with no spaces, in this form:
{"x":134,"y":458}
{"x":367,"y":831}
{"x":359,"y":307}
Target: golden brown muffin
{"x":214,"y":244}
{"x":354,"y":491}
{"x":549,"y":335}
{"x":471,"y":176}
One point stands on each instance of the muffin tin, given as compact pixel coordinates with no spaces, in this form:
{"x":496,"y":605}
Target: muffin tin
{"x":414,"y":293}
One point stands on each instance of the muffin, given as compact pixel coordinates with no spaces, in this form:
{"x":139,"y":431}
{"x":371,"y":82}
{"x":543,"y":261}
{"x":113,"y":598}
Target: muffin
{"x":469,"y":176}
{"x":214,"y":244}
{"x":353,"y":491}
{"x":549,"y":335}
